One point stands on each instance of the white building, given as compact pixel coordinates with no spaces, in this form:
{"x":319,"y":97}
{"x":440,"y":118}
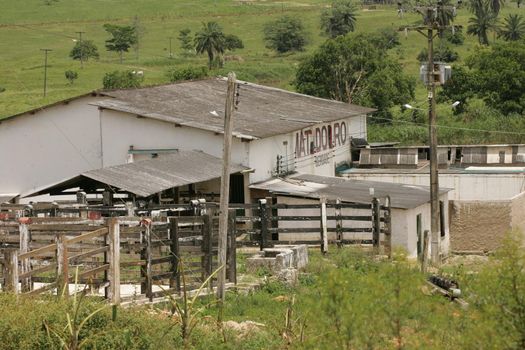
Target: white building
{"x":275,"y":131}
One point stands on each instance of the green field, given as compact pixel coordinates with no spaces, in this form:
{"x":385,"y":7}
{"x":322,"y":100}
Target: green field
{"x":28,"y":26}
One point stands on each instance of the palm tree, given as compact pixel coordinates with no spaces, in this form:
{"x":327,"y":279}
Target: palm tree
{"x":211,"y":40}
{"x":484,"y":20}
{"x":339,"y":19}
{"x":513,"y":29}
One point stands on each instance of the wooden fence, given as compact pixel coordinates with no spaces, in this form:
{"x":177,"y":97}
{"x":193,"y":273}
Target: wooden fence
{"x":48,"y":254}
{"x":320,"y":222}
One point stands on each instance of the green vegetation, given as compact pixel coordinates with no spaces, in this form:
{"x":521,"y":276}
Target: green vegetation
{"x":71,"y":76}
{"x":339,"y":19}
{"x":345,"y":300}
{"x":27,"y":26}
{"x":122,"y":38}
{"x":356,"y":68}
{"x":122,"y":80}
{"x":186,"y":73}
{"x":285,"y":34}
{"x":84,"y":50}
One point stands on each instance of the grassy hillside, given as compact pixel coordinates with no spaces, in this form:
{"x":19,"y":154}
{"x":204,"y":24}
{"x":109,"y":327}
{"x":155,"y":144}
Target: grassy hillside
{"x":28,"y":26}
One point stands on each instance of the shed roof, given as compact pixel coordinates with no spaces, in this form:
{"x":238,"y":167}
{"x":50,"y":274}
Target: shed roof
{"x":147,"y":177}
{"x":262,"y":111}
{"x":6,"y":197}
{"x":348,"y":190}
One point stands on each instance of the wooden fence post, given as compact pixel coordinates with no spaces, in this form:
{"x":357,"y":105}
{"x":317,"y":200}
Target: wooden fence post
{"x":232,"y":247}
{"x":62,"y":271}
{"x":324,"y":228}
{"x":264,"y":223}
{"x":114,"y":261}
{"x":269,"y":219}
{"x":146,"y":271}
{"x":174,"y":251}
{"x":339,"y":222}
{"x":11,"y":271}
{"x":424,"y":257}
{"x":388,"y":227}
{"x":207,"y":245}
{"x":25,"y":264}
{"x":376,"y":225}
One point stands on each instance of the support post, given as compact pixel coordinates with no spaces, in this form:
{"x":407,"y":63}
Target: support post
{"x":25,"y":238}
{"x":62,"y":271}
{"x":324,"y":228}
{"x":232,"y":248}
{"x":114,"y":261}
{"x":225,"y":183}
{"x":388,"y":227}
{"x":148,"y":283}
{"x":376,"y":225}
{"x":434,"y":180}
{"x":264,"y":224}
{"x":269,"y":222}
{"x":174,"y":250}
{"x":339,"y":222}
{"x":11,"y":271}
{"x":207,"y":246}
{"x":424,"y":257}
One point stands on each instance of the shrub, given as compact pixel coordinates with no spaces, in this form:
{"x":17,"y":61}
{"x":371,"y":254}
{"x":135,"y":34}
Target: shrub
{"x":84,"y":50}
{"x":122,"y":80}
{"x":71,"y":76}
{"x":441,"y":53}
{"x":187,"y":73}
{"x":233,"y":42}
{"x":285,"y":34}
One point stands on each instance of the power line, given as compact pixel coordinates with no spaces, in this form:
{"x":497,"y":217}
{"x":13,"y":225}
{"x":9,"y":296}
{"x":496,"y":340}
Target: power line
{"x":45,"y":69}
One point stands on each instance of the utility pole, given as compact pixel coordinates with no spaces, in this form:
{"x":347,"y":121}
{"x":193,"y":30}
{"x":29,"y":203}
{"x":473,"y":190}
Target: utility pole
{"x":45,"y":69}
{"x":171,"y":53}
{"x":225,"y":185}
{"x":81,"y":48}
{"x":430,"y":29}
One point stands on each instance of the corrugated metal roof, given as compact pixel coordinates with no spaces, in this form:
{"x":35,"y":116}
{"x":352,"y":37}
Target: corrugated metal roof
{"x":262,"y":111}
{"x":6,"y":197}
{"x":349,"y":190}
{"x":147,"y":177}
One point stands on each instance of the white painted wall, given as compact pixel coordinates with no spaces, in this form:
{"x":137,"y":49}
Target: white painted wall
{"x":48,"y":146}
{"x":464,"y":186}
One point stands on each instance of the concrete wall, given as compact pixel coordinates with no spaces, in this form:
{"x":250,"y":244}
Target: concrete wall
{"x":50,"y":145}
{"x":469,"y":187}
{"x":517,"y":213}
{"x":479,"y":226}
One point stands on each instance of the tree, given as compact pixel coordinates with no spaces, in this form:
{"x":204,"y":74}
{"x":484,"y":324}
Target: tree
{"x":122,"y":80}
{"x":123,"y":37}
{"x":496,"y":75}
{"x":442,"y":53}
{"x":339,"y":19}
{"x":513,"y":28}
{"x":355,"y":69}
{"x":84,"y":50}
{"x":285,"y":34}
{"x":484,"y":20}
{"x":210,"y":39}
{"x":71,"y":76}
{"x":186,"y":43}
{"x":233,"y":42}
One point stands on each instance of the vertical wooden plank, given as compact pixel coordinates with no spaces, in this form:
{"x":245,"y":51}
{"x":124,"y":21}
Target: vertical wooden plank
{"x":206,"y":248}
{"x":269,"y":225}
{"x":62,"y":271}
{"x":388,"y":227}
{"x":114,"y":261}
{"x":376,"y":225}
{"x":264,"y":223}
{"x":147,"y":238}
{"x":232,"y":247}
{"x":424,"y":256}
{"x":25,"y":238}
{"x":324,"y":228}
{"x":338,"y":222}
{"x":174,"y":251}
{"x":11,"y":271}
